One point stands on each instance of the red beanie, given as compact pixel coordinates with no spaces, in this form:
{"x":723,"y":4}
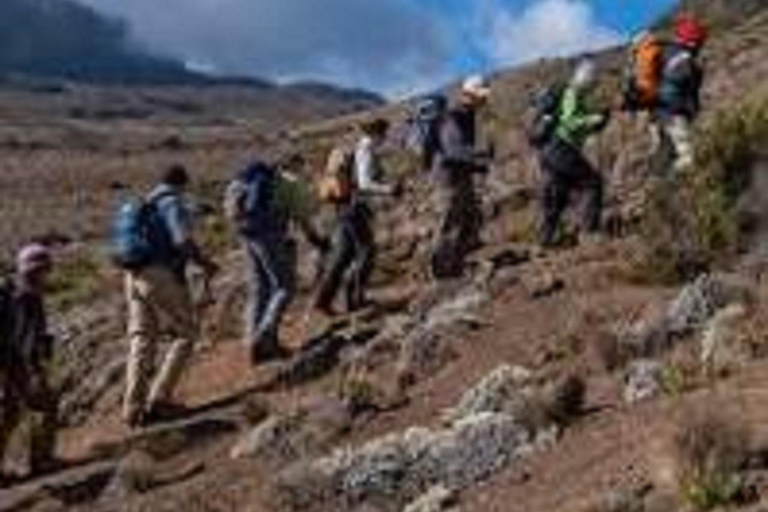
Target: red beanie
{"x":690,"y":31}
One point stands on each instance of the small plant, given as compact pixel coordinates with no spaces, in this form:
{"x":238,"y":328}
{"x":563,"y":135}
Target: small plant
{"x":76,"y":279}
{"x":710,"y":452}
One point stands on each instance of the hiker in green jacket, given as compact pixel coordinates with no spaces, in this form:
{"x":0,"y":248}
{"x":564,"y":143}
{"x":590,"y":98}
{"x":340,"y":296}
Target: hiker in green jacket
{"x":565,"y":167}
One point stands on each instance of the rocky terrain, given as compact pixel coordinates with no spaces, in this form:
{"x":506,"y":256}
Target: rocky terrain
{"x":627,"y":375}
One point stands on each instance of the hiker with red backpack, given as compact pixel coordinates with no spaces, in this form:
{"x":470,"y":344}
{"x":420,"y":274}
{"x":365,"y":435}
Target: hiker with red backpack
{"x":359,"y":174}
{"x":665,"y":80}
{"x":27,"y":350}
{"x":457,"y":162}
{"x":263,"y":202}
{"x":154,"y":243}
{"x":565,"y":119}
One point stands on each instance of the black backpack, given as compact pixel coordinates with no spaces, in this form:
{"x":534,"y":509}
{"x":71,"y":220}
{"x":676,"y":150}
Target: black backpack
{"x":423,"y":138}
{"x":546,"y":108}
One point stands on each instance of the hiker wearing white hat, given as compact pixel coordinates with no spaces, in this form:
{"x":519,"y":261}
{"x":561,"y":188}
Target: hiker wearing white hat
{"x":456,"y":163}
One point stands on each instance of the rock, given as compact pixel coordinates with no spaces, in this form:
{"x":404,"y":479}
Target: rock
{"x":643,"y":380}
{"x":696,"y":304}
{"x":436,"y":499}
{"x":717,"y":347}
{"x":543,"y":285}
{"x":305,"y":432}
{"x":462,"y":308}
{"x":501,"y":391}
{"x":423,"y":352}
{"x":399,"y":466}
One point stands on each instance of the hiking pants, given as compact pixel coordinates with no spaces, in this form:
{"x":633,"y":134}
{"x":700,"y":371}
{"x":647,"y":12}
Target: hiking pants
{"x":22,"y":393}
{"x":674,"y":147}
{"x":460,"y":223}
{"x":353,"y":253}
{"x":271,"y":287}
{"x":567,"y":170}
{"x":159,"y":305}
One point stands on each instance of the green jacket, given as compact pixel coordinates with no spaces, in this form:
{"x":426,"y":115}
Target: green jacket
{"x":578,"y":120}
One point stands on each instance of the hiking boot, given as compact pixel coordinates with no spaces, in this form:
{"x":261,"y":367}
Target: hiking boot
{"x":47,"y":466}
{"x":264,"y":353}
{"x":136,"y":420}
{"x":164,"y":412}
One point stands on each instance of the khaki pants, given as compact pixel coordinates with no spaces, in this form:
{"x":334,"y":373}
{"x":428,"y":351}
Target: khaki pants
{"x":159,"y":305}
{"x":673,"y":143}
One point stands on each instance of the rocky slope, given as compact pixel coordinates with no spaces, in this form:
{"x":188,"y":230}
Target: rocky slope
{"x":566,"y":382}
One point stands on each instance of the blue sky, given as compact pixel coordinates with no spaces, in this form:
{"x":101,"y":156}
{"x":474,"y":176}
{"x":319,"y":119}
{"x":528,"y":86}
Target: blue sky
{"x":396,"y":47}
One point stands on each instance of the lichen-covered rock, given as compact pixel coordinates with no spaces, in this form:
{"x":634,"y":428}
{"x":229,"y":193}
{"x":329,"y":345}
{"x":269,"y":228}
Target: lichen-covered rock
{"x":696,"y":304}
{"x":643,"y":380}
{"x":501,"y":391}
{"x":718,"y":347}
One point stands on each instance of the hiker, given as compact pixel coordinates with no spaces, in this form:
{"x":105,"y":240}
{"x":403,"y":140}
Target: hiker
{"x":566,"y":169}
{"x":27,"y":350}
{"x":456,"y":163}
{"x":263,"y":202}
{"x":353,"y":247}
{"x":159,"y":298}
{"x":679,"y":100}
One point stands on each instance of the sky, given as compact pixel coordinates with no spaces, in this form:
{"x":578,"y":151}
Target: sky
{"x":394,"y":47}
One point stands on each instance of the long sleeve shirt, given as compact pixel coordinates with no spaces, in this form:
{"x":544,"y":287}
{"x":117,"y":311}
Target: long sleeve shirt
{"x":27,"y":345}
{"x":368,"y":171}
{"x":459,"y":158}
{"x":681,"y":84}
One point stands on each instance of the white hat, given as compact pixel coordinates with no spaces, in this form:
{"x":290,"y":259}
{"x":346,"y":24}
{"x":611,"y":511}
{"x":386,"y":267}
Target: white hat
{"x":585,"y":75}
{"x":476,"y":86}
{"x":32,"y":258}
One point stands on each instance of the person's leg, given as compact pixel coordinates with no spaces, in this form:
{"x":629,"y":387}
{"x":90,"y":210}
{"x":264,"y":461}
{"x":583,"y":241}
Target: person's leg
{"x":175,"y":303}
{"x":591,"y":182}
{"x":336,"y":266}
{"x":680,"y":135}
{"x":258,"y":294}
{"x":142,"y":336}
{"x":278,"y":258}
{"x":470,"y":219}
{"x":10,"y":415}
{"x":554,"y":199}
{"x":363,"y":262}
{"x":446,"y":258}
{"x":44,"y":430}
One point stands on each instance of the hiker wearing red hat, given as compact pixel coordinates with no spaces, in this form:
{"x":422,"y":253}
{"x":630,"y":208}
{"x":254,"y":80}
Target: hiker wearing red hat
{"x":26,"y":350}
{"x":679,"y":95}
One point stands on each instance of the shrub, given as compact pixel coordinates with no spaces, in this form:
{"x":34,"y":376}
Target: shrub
{"x":76,"y":279}
{"x":710,"y":452}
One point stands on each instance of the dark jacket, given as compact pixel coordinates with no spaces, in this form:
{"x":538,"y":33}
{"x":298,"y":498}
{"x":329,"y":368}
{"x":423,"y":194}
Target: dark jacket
{"x":26,"y":344}
{"x":680,"y":90}
{"x":458,"y":156}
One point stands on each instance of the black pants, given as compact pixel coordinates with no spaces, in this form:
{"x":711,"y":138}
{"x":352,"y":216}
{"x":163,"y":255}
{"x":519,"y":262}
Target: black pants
{"x":352,"y":256}
{"x":567,"y":171}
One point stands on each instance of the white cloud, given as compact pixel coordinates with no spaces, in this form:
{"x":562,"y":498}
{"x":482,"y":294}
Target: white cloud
{"x":394,"y":46}
{"x":547,"y":28}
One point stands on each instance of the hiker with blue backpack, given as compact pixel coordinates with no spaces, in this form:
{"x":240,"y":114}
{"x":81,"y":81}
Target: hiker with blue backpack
{"x":154,"y":243}
{"x":565,"y":119}
{"x":458,"y":160}
{"x":360,"y":176}
{"x":263,"y":202}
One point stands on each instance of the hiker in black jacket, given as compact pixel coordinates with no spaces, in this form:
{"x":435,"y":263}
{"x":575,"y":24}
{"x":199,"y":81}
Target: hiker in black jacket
{"x":27,"y":349}
{"x":457,"y":162}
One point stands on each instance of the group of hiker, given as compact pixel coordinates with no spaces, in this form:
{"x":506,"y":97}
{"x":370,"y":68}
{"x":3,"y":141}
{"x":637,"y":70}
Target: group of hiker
{"x":154,"y":237}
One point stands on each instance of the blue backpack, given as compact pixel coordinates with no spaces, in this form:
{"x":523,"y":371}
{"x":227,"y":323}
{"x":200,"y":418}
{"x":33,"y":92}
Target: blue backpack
{"x":424,"y":128}
{"x":139,"y":236}
{"x":257,"y":201}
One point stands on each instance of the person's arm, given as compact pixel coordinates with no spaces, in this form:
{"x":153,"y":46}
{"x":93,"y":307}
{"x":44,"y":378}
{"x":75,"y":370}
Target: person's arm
{"x":179,"y":223}
{"x":574,"y":118}
{"x":457,"y":153}
{"x":365,"y":171}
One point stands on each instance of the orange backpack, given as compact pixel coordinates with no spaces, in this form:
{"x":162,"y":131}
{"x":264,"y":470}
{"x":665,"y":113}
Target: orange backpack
{"x":337,"y":182}
{"x":645,"y":73}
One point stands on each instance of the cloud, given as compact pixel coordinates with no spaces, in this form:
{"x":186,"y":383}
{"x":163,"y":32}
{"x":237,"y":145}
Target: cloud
{"x":394,"y":46}
{"x":547,"y":28}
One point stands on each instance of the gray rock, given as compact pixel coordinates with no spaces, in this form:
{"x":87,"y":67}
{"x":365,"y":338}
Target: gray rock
{"x":437,"y":499}
{"x":643,"y":380}
{"x":718,"y":349}
{"x":696,"y":304}
{"x":501,"y":391}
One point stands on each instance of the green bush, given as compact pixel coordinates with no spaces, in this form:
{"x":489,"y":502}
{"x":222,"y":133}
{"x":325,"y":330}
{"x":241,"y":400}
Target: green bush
{"x":76,"y":279}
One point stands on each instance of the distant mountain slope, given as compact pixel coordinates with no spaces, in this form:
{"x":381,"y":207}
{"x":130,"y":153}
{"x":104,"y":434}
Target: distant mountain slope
{"x":63,"y":40}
